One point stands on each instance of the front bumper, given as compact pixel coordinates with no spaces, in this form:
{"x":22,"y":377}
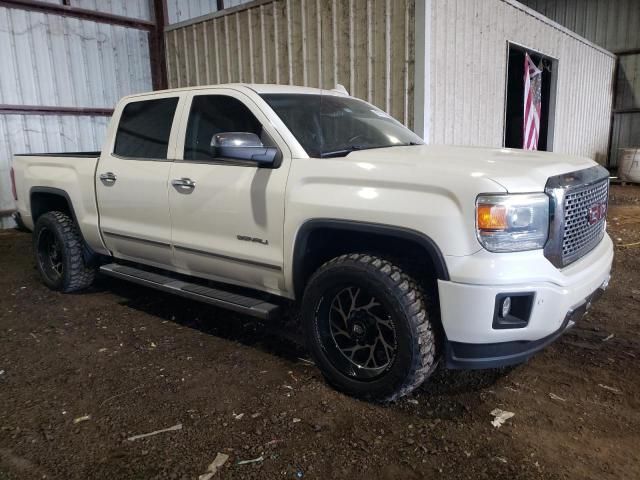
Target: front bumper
{"x":494,"y":355}
{"x":560,"y":299}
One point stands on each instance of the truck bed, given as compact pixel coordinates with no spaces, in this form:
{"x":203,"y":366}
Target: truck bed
{"x":68,"y":174}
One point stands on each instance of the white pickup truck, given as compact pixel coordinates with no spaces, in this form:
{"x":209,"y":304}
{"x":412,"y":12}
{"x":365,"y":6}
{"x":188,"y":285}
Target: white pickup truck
{"x":399,"y":255}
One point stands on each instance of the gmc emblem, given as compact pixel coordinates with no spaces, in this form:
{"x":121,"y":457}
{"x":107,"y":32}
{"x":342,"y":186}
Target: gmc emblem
{"x":596,"y":213}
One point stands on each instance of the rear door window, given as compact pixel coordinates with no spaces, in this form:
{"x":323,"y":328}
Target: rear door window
{"x":145,"y":128}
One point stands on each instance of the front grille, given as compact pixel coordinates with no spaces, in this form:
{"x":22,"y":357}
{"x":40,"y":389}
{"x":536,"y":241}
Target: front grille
{"x":578,"y":202}
{"x":580,"y":235}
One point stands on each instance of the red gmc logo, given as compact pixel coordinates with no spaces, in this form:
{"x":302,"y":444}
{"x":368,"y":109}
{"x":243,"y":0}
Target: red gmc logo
{"x":597,"y":212}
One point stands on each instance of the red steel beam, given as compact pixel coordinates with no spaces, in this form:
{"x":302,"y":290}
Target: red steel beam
{"x":82,"y":13}
{"x":52,"y":110}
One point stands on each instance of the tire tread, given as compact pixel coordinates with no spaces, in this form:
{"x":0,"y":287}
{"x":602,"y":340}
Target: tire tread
{"x":78,"y":275}
{"x":413,"y":301}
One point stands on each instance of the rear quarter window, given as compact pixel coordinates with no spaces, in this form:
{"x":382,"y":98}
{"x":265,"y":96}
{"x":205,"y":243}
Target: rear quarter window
{"x":145,"y":128}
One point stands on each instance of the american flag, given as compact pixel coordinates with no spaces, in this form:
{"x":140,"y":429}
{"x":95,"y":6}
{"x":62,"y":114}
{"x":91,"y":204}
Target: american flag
{"x":532,"y":104}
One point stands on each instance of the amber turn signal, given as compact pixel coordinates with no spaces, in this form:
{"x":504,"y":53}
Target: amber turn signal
{"x":492,"y":217}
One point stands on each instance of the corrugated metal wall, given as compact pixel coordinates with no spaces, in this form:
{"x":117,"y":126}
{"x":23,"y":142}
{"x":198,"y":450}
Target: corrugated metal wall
{"x":182,"y":10}
{"x":614,"y":25}
{"x":366,"y":45}
{"x":52,"y":60}
{"x":468,"y":75}
{"x":140,"y":9}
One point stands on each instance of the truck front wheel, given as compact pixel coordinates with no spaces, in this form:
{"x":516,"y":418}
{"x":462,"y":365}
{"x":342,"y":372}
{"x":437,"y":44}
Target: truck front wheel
{"x":59,"y":251}
{"x":367,"y":327}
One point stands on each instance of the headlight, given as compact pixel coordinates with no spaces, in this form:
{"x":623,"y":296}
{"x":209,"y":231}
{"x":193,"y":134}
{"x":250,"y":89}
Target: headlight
{"x":512,"y":223}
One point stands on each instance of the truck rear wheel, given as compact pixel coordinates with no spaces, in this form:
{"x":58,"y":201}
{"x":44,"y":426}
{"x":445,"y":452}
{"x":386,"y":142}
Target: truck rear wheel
{"x":59,"y":251}
{"x":367,"y":327}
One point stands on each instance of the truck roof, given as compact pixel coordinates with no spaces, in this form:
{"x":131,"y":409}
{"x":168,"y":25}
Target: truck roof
{"x":259,"y":88}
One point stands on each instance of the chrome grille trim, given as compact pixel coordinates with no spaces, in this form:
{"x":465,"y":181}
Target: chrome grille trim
{"x":570,"y":234}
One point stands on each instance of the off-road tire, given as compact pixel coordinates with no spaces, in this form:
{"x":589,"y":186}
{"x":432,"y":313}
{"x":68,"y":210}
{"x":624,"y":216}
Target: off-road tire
{"x":416,"y":342}
{"x":77,"y":273}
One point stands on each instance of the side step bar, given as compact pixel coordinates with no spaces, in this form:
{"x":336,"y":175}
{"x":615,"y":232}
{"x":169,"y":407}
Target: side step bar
{"x":231,"y":301}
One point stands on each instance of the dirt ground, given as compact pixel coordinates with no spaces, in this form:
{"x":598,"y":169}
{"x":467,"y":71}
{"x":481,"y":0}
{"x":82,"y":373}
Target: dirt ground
{"x":134,"y":361}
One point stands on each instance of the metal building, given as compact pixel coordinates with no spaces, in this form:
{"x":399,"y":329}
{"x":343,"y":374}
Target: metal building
{"x":614,"y":25}
{"x":65,"y":63}
{"x":182,"y":10}
{"x":466,"y":76}
{"x":439,"y":66}
{"x":442,"y":67}
{"x":364,"y":45}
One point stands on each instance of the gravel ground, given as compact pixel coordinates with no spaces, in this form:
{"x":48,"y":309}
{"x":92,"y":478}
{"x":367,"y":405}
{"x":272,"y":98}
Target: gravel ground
{"x":81,"y":374}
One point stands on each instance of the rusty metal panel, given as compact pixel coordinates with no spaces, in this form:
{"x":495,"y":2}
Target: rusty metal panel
{"x":365,"y":45}
{"x":468,"y":75}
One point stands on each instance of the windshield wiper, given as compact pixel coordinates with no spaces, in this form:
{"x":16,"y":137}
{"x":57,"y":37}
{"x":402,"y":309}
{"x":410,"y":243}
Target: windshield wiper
{"x":351,"y":148}
{"x":342,"y":152}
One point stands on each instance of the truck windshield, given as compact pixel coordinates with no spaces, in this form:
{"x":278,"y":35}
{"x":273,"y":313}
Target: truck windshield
{"x":334,"y":126}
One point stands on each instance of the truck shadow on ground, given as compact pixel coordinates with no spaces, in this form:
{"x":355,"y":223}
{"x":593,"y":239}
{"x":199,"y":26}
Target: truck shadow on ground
{"x":282,"y":338}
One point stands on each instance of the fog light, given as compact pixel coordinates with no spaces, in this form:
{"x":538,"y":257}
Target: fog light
{"x":512,"y":309}
{"x":506,"y":307}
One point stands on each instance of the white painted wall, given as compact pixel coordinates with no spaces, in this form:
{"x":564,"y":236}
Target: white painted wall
{"x":467,"y":54}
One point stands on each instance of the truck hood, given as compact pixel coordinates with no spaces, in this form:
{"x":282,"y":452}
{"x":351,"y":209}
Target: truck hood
{"x":516,"y":171}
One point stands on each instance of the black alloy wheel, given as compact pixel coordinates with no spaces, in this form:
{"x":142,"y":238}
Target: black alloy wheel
{"x":357,"y":332}
{"x":367,"y":327}
{"x":50,"y":256}
{"x":61,"y":255}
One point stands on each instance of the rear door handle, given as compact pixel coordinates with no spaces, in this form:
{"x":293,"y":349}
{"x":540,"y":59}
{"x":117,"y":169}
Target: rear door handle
{"x":183,"y":184}
{"x":108,"y":178}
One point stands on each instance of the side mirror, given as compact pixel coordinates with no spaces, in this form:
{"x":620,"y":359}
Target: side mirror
{"x":243,"y":146}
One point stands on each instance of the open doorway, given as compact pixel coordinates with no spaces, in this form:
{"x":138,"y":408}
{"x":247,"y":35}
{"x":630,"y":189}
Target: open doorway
{"x":514,"y":108}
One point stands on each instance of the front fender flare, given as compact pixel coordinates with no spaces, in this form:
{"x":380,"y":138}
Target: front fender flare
{"x":304,"y":232}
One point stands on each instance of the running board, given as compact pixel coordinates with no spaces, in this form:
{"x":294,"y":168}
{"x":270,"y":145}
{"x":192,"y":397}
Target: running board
{"x":220,"y":298}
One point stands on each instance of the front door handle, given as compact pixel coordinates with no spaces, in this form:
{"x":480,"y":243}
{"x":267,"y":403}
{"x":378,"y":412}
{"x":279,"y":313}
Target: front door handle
{"x":108,"y":178}
{"x":183,"y":184}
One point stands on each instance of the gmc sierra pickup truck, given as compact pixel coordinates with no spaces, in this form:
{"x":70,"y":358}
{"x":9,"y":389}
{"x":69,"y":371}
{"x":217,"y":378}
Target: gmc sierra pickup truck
{"x":259,"y":198}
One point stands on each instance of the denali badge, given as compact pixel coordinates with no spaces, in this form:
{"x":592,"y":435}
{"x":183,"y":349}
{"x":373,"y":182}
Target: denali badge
{"x":252,"y":239}
{"x":596,"y":213}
